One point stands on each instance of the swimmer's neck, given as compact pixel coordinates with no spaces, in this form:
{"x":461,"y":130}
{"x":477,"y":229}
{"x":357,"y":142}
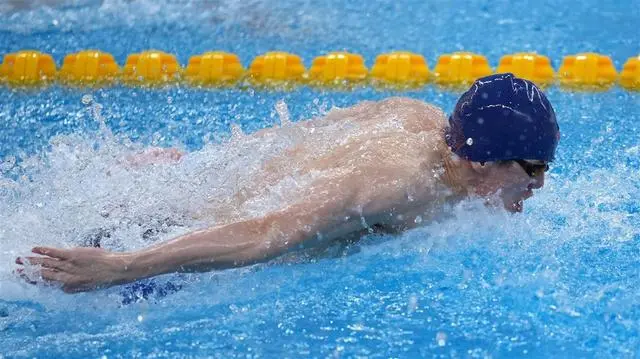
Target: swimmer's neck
{"x":458,"y":174}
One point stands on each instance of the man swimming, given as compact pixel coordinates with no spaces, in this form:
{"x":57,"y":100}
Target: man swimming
{"x":391,"y":174}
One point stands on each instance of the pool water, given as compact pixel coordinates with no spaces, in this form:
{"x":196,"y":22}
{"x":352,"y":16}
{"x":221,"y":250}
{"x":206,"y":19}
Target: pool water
{"x":560,"y":280}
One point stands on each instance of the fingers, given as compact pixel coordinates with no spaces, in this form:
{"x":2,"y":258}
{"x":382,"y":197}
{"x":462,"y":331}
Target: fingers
{"x":51,"y":252}
{"x":20,"y":272}
{"x":44,"y":262}
{"x":48,"y":275}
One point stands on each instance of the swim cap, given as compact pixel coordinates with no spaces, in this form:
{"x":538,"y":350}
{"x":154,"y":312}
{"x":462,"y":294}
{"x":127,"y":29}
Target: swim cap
{"x":502,"y":117}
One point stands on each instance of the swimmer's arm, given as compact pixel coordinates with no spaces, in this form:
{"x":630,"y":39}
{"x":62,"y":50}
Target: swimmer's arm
{"x":333,"y":208}
{"x":232,"y":245}
{"x":236,"y":244}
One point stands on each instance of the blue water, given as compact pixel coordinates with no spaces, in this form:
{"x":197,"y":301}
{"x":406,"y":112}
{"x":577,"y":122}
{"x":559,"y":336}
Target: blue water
{"x":560,"y":280}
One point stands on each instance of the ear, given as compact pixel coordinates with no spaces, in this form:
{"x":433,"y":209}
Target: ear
{"x":480,"y":168}
{"x":487,"y":178}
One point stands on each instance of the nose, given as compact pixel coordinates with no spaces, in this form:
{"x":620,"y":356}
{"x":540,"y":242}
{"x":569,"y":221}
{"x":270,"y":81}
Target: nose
{"x":537,"y":182}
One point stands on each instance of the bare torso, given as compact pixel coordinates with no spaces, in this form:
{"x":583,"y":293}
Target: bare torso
{"x":391,"y":150}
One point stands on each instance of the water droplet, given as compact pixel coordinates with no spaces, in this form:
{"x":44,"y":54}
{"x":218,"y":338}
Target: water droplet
{"x":418,"y":219}
{"x":480,"y":120}
{"x":8,"y":163}
{"x":413,"y":304}
{"x":469,"y":141}
{"x":236,"y":132}
{"x":441,"y":339}
{"x":140,"y":318}
{"x":87,"y":99}
{"x":283,"y":113}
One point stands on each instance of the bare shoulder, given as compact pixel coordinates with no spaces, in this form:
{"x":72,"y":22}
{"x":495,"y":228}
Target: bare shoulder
{"x":415,"y":115}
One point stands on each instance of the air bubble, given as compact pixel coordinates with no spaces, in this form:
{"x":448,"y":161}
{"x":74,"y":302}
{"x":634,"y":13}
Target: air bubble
{"x":413,"y":304}
{"x":87,"y":99}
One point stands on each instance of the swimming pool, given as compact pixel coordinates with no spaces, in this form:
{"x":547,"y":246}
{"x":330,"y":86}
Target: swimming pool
{"x":560,"y":280}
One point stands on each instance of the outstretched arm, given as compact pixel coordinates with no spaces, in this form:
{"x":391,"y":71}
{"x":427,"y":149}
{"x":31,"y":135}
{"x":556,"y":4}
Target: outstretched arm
{"x":233,"y":245}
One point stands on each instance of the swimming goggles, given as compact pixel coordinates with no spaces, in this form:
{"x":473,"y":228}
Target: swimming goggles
{"x":533,"y":169}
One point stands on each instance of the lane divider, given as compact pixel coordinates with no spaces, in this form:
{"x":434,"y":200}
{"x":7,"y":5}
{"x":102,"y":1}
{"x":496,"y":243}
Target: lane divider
{"x":334,"y":70}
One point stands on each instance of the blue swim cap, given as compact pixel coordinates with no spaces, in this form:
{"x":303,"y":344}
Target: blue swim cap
{"x":502,"y":117}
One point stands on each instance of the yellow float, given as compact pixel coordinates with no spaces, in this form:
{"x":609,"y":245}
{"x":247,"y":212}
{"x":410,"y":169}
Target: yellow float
{"x":89,"y":67}
{"x":151,"y":68}
{"x":530,"y":66}
{"x":400,"y":68}
{"x":27,"y":68}
{"x":214,"y":68}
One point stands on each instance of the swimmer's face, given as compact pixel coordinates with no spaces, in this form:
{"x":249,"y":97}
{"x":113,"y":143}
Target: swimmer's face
{"x":512,"y":181}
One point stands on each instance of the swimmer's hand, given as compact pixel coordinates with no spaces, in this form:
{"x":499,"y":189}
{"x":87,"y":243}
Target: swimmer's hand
{"x":77,"y":269}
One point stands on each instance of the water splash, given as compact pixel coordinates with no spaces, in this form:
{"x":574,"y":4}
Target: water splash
{"x":283,"y":112}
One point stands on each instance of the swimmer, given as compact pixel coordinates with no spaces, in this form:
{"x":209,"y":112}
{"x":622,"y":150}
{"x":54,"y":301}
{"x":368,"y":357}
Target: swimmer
{"x":496,"y":145}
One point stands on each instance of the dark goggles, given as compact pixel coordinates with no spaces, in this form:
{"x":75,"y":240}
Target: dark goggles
{"x":533,"y":169}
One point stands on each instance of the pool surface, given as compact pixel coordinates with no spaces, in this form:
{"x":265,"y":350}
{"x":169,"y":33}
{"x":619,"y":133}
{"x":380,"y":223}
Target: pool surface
{"x":560,"y":280}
